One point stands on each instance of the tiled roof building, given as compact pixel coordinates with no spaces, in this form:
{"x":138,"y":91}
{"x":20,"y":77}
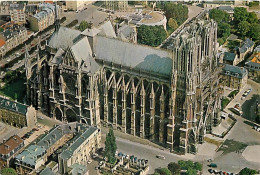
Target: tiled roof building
{"x":8,"y":149}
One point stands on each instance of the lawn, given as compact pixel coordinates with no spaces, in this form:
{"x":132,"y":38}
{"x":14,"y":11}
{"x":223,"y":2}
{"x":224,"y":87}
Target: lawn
{"x":224,"y":102}
{"x":15,"y":89}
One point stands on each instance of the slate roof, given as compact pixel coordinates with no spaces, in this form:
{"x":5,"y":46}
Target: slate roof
{"x":78,"y":169}
{"x":226,"y":8}
{"x":13,"y":106}
{"x":57,"y":59}
{"x":257,"y":49}
{"x":31,"y":154}
{"x":136,"y":56}
{"x":91,"y":32}
{"x":228,"y":56}
{"x":107,"y":30}
{"x":84,"y":134}
{"x":10,"y":145}
{"x":18,"y":6}
{"x":83,"y":53}
{"x":253,"y":65}
{"x":234,"y":71}
{"x":126,"y":32}
{"x":246,"y":45}
{"x":47,"y":171}
{"x":56,"y":134}
{"x":63,"y":38}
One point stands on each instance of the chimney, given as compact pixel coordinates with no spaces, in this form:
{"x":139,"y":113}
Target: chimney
{"x":7,"y":147}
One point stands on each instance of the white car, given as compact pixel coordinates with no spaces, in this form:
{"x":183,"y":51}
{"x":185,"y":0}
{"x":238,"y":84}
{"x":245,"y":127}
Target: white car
{"x":89,"y":161}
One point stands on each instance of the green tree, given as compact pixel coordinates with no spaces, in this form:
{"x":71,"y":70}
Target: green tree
{"x":240,"y":14}
{"x":219,"y":15}
{"x":198,"y":166}
{"x":223,"y":30}
{"x":163,"y":171}
{"x":247,"y":171}
{"x":151,"y":35}
{"x":174,"y":168}
{"x":172,"y":24}
{"x":110,"y":146}
{"x":191,"y":171}
{"x":178,"y":12}
{"x":83,"y":26}
{"x":8,"y":171}
{"x":243,"y":28}
{"x":254,"y":31}
{"x":252,"y":18}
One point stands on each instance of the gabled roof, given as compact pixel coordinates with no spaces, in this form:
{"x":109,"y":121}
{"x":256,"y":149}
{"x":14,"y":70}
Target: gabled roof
{"x":10,"y":145}
{"x":135,"y":56}
{"x":91,"y":32}
{"x":83,"y":54}
{"x":246,"y":45}
{"x":63,"y":38}
{"x":107,"y":30}
{"x":234,"y":71}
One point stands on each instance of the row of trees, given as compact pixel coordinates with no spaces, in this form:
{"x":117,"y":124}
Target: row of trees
{"x":175,"y":168}
{"x":244,"y":24}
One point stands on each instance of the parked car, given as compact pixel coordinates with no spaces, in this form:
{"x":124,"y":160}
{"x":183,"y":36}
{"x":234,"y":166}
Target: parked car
{"x":146,"y":161}
{"x":210,"y":171}
{"x":160,"y":157}
{"x":209,"y":160}
{"x":213,"y":165}
{"x":35,"y":129}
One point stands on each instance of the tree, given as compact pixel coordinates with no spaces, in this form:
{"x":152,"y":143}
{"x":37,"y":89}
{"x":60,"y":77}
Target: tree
{"x":219,"y":15}
{"x":243,"y":28}
{"x":163,"y":171}
{"x":178,"y":12}
{"x":83,"y":26}
{"x":240,"y":14}
{"x":110,"y":146}
{"x":172,"y":24}
{"x":252,"y":17}
{"x":8,"y":171}
{"x":151,"y":35}
{"x":247,"y":171}
{"x":254,"y":31}
{"x":198,"y":166}
{"x":174,"y":168}
{"x":223,"y":30}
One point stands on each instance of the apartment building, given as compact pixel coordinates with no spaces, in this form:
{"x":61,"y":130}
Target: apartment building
{"x":8,"y":149}
{"x":17,"y":13}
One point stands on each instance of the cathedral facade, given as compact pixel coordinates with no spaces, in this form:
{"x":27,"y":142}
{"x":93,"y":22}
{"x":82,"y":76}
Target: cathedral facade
{"x":169,"y":95}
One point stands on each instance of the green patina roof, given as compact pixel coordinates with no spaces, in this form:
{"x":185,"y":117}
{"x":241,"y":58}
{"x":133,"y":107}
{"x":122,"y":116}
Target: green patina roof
{"x":228,"y":56}
{"x":13,"y":106}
